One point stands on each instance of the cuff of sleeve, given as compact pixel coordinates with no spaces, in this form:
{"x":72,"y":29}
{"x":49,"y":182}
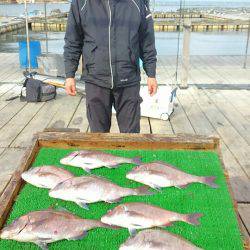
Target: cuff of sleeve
{"x":151,"y":73}
{"x":150,"y":69}
{"x":70,"y":75}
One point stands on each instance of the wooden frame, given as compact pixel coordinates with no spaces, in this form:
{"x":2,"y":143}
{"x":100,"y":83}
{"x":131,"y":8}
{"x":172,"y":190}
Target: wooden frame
{"x":75,"y":139}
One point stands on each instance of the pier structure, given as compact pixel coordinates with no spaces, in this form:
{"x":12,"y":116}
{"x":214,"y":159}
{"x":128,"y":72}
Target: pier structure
{"x":164,"y":21}
{"x":221,"y":110}
{"x":13,"y":25}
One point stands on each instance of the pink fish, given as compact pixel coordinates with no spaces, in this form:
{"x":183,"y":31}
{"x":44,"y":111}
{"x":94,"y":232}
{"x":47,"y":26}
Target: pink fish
{"x":137,"y":215}
{"x":161,"y":174}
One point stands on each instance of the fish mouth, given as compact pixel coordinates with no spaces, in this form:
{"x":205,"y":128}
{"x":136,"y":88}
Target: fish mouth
{"x":24,"y":176}
{"x":104,"y":220}
{"x":64,"y":161}
{"x":52,"y":193}
{"x":69,"y":158}
{"x":129,"y":175}
{"x":3,"y":235}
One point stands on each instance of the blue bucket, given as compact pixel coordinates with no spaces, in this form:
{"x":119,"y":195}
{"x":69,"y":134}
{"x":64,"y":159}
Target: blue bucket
{"x":35,"y":50}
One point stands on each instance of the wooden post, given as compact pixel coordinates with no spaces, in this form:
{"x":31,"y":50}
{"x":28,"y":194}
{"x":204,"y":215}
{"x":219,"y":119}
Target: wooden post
{"x":247,"y":45}
{"x":185,"y":54}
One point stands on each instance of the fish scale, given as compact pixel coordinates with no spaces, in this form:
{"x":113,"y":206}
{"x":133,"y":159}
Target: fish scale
{"x":89,"y":159}
{"x":160,"y":174}
{"x":153,"y":239}
{"x":90,"y":189}
{"x":47,"y":226}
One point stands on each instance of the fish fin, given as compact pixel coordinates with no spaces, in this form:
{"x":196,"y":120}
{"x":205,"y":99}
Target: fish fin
{"x":113,"y":166}
{"x":132,"y":231}
{"x":193,"y":219}
{"x":87,"y":170}
{"x":158,"y":188}
{"x":143,"y":190}
{"x":114,"y":201}
{"x":210,"y":181}
{"x":168,"y":224}
{"x":125,"y":208}
{"x":79,"y":237}
{"x":181,"y":186}
{"x":82,"y":204}
{"x":62,"y":209}
{"x":137,"y":161}
{"x":42,"y":245}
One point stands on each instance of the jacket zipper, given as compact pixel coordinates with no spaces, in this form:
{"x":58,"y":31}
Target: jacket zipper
{"x":110,"y":56}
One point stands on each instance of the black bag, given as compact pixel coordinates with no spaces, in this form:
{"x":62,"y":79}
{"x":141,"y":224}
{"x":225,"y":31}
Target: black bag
{"x":37,"y":91}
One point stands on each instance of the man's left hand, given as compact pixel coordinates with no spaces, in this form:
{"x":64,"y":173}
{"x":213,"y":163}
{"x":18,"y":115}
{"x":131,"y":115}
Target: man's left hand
{"x":152,"y":86}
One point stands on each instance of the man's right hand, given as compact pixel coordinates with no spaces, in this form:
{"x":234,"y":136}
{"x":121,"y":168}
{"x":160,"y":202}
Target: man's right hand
{"x":70,"y":86}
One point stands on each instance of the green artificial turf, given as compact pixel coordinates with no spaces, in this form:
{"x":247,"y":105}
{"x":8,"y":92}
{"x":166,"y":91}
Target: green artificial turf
{"x":218,"y":229}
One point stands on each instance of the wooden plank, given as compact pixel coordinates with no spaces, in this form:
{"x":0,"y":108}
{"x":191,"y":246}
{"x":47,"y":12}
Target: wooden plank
{"x":231,"y":137}
{"x":1,"y":151}
{"x":79,"y":119}
{"x":65,"y":114}
{"x":244,"y":211}
{"x":13,"y":91}
{"x":145,"y":126}
{"x":239,"y":180}
{"x":197,"y":118}
{"x":202,"y":125}
{"x":4,"y":180}
{"x":236,"y":98}
{"x":9,"y":111}
{"x":126,"y":141}
{"x":160,"y":127}
{"x":39,"y":122}
{"x":11,"y":130}
{"x":179,"y":120}
{"x":6,"y":87}
{"x":10,"y":159}
{"x":114,"y":125}
{"x":245,"y":235}
{"x":9,"y":194}
{"x":237,"y":120}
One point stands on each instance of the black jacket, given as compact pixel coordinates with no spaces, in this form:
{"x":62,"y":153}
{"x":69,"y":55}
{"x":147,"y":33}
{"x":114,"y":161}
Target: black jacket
{"x":112,"y":35}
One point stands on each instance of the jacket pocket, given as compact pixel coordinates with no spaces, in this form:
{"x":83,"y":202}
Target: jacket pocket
{"x":128,"y":67}
{"x":89,"y":50}
{"x":102,"y":61}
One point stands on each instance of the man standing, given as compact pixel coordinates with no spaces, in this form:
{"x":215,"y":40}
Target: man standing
{"x":112,"y":35}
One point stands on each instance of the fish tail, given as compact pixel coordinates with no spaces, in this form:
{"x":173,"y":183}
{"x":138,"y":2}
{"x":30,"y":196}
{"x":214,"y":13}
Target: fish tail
{"x":193,"y":219}
{"x":136,"y":160}
{"x":210,"y":181}
{"x":143,"y":190}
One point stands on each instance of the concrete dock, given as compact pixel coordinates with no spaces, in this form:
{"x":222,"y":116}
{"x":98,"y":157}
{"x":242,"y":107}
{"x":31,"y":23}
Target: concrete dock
{"x":222,"y":110}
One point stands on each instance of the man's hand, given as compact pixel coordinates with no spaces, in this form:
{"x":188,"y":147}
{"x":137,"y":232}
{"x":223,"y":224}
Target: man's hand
{"x":70,"y":86}
{"x":152,"y":86}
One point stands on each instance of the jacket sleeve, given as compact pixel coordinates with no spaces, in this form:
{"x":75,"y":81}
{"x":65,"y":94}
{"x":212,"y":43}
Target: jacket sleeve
{"x":147,"y":41}
{"x":73,"y":40}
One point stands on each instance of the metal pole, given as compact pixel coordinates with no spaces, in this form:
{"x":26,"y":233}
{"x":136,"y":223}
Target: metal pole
{"x":247,"y":45}
{"x":46,"y":26}
{"x":186,"y":54}
{"x":27,"y":35}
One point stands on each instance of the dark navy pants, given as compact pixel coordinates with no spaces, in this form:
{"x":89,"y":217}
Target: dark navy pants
{"x":126,"y":101}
